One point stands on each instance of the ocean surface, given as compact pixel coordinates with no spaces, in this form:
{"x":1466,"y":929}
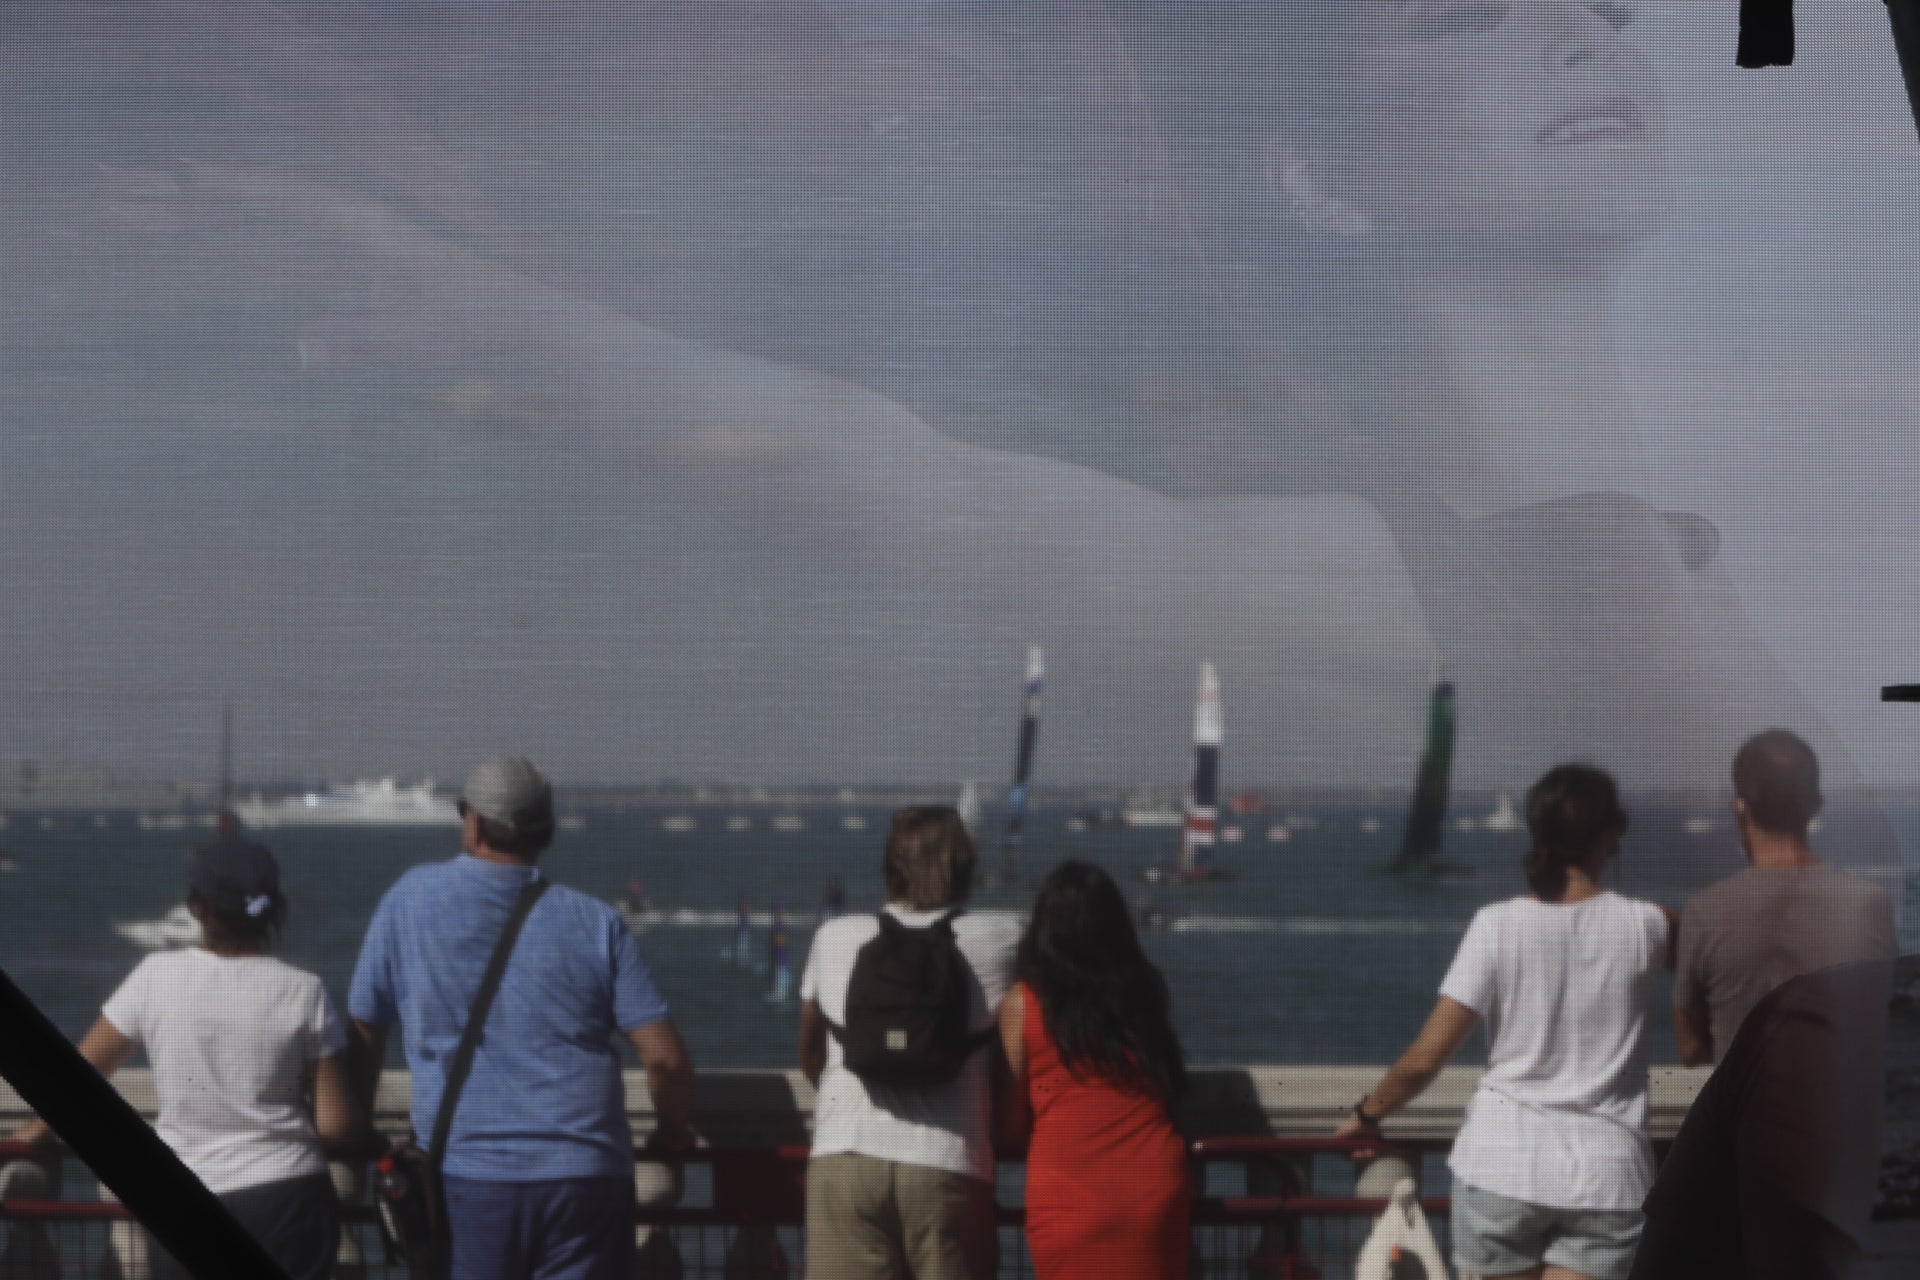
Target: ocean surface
{"x":1313,"y":955}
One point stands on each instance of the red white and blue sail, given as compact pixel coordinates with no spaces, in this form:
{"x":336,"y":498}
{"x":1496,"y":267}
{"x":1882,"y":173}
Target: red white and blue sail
{"x":1201,"y":819}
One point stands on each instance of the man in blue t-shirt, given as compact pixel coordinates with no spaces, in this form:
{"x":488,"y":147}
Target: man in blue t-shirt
{"x":539,"y":1164}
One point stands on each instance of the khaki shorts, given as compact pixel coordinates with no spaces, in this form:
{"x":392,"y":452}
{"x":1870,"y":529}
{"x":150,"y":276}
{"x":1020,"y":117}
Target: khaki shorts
{"x":870,"y":1219}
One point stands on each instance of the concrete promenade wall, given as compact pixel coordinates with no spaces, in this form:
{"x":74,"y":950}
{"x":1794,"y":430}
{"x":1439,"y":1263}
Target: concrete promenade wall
{"x":747,"y":1108}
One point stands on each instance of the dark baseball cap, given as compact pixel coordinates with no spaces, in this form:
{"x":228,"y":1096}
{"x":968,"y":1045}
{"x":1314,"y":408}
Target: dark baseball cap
{"x":236,"y":877}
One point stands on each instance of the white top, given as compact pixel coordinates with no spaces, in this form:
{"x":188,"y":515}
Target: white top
{"x":1560,"y":1117}
{"x":948,"y":1126}
{"x":231,"y":1040}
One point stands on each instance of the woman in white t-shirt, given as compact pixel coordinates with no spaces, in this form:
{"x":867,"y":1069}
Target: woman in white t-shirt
{"x":1553,"y":1159}
{"x":246,"y":1062}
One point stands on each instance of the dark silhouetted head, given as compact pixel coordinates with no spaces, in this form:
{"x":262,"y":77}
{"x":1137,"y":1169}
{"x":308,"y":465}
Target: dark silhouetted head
{"x":1776,"y":778}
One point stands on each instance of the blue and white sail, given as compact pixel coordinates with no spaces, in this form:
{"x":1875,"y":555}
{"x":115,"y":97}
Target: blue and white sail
{"x":1200,"y":819}
{"x":1023,"y":756}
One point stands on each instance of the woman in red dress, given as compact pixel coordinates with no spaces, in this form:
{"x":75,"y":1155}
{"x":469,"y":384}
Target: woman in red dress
{"x":1096,"y":1067}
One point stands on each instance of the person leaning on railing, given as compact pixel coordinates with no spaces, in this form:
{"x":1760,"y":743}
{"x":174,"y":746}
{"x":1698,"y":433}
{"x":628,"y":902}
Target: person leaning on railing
{"x":247,"y":1063}
{"x":539,"y":1163}
{"x":1095,"y":1067}
{"x":1553,"y":1158}
{"x":900,"y":1180}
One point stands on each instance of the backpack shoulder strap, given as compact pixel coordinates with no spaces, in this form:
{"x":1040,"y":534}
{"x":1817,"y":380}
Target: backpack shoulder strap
{"x":836,"y":1029}
{"x":462,"y":1062}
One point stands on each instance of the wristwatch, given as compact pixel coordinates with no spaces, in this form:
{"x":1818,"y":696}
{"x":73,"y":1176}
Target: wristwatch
{"x":1360,"y":1114}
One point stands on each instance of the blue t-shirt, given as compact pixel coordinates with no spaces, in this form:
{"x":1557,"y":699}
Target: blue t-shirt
{"x":545,"y":1098}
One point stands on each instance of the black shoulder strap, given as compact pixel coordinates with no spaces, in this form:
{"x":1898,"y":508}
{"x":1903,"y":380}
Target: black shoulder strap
{"x":462,"y":1061}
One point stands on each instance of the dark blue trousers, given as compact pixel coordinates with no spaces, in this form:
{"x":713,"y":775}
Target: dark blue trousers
{"x":298,"y":1220}
{"x":563,"y":1229}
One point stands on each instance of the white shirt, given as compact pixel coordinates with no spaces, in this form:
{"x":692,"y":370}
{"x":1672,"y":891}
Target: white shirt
{"x":947,"y":1126}
{"x":231,"y":1039}
{"x":1560,"y":1117}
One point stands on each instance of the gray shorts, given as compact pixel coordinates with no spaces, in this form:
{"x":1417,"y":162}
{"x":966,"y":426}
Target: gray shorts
{"x":1497,"y":1236}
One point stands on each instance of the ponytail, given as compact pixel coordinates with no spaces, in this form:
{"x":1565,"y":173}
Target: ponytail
{"x":1571,"y":811}
{"x":1546,"y":871}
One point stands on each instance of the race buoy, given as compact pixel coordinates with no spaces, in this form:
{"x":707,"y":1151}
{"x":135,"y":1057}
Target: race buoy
{"x":1401,"y":1245}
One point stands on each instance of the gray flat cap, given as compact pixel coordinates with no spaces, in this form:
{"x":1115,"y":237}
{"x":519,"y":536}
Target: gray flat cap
{"x":510,"y":791}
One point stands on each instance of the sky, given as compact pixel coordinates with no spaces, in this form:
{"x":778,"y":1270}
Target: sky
{"x":734,"y":391}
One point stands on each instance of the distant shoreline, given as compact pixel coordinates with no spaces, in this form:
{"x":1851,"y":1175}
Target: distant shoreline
{"x":171,"y":797}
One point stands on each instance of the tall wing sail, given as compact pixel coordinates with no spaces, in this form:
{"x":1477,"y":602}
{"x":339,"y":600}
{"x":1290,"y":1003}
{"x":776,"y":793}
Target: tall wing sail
{"x":1023,"y":755}
{"x":1202,"y":815}
{"x":1427,"y":814}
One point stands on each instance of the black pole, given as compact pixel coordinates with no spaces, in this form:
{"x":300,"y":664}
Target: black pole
{"x":1766,"y":39}
{"x":1905,"y":16}
{"x":122,"y":1149}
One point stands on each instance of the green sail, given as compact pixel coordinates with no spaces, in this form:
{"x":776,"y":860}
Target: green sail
{"x":1427,"y":815}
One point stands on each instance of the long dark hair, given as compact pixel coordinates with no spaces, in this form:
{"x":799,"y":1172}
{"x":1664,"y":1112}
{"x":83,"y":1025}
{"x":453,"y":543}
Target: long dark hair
{"x":1570,"y":812}
{"x":1103,"y":1001}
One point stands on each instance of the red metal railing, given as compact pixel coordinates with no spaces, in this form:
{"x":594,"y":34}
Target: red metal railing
{"x":1268,"y":1209}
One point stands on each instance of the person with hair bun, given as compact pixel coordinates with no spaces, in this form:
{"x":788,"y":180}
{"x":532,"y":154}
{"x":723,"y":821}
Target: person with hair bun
{"x":1553,"y":1158}
{"x":247,"y":1062}
{"x":1096,"y":1068}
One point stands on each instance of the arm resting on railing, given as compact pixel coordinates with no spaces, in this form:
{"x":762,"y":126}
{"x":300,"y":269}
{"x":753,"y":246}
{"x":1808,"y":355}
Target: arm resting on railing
{"x":1012,"y":1116}
{"x":813,"y":1041}
{"x":336,"y":1113}
{"x":1448,"y":1027}
{"x":669,"y":1081}
{"x":106,"y":1050}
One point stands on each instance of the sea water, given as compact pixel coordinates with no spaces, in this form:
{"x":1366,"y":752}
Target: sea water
{"x":1313,"y":955}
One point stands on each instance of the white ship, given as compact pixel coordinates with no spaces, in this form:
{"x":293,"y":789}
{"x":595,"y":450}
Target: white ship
{"x":363,"y":804}
{"x":1502,"y":818}
{"x":1142,"y":810}
{"x":1160,"y":817}
{"x":177,"y":928}
{"x":968,"y":807}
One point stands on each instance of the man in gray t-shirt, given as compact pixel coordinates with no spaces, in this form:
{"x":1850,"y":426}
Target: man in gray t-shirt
{"x":1787,"y":914}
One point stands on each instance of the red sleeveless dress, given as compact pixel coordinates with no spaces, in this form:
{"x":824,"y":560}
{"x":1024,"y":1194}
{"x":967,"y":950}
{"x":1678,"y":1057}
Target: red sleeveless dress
{"x":1108,"y":1192}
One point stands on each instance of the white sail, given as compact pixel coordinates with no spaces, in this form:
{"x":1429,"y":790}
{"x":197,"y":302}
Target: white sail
{"x":968,"y":806}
